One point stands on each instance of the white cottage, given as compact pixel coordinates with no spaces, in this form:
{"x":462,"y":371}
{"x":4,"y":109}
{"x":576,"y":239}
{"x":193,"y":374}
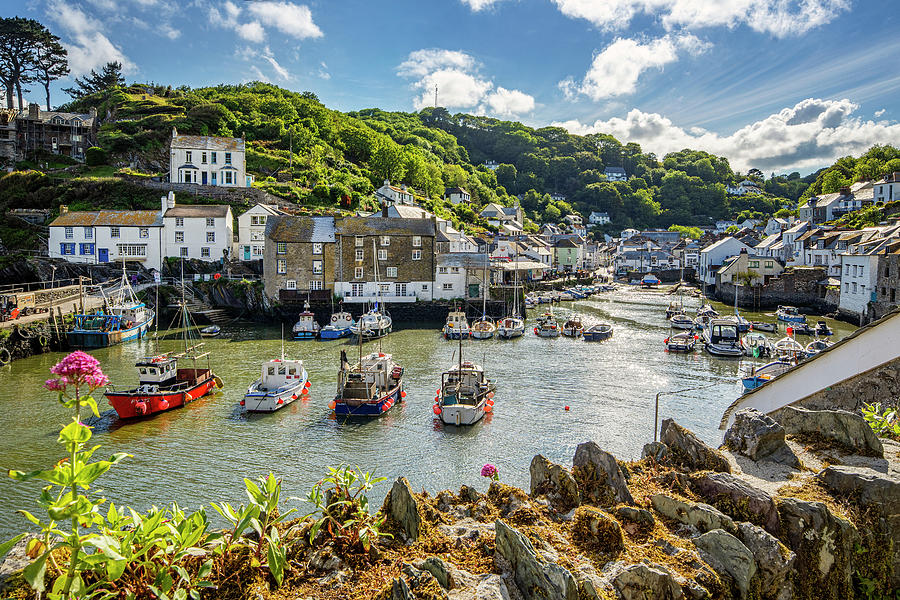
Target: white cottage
{"x":713,"y":257}
{"x":208,"y":160}
{"x":391,"y":194}
{"x":203,"y":231}
{"x":251,"y":243}
{"x":104,"y":236}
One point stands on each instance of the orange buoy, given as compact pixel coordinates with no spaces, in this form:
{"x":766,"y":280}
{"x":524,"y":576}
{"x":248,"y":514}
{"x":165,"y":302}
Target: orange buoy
{"x":490,"y":395}
{"x":567,"y":407}
{"x":332,"y":404}
{"x":403,"y":394}
{"x":488,"y":408}
{"x":436,"y":409}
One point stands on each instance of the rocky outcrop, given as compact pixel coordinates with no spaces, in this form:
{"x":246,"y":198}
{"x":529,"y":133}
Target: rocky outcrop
{"x":774,"y":561}
{"x":401,"y":506}
{"x":554,"y":481}
{"x":643,"y":581}
{"x":738,"y":499}
{"x":599,"y":477}
{"x":844,"y":428}
{"x":687,"y":449}
{"x":701,"y":516}
{"x":759,"y":437}
{"x":535,"y":577}
{"x":655,"y":450}
{"x":728,"y":557}
{"x":596,"y":528}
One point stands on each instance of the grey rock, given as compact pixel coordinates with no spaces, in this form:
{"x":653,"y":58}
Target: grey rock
{"x":15,"y":560}
{"x":554,"y":481}
{"x":845,"y":428}
{"x":469,"y":494}
{"x":400,"y":590}
{"x":775,"y":562}
{"x":728,"y":556}
{"x":438,"y":568}
{"x":759,"y":437}
{"x":655,"y":450}
{"x":598,"y":474}
{"x":323,"y":559}
{"x":738,"y":499}
{"x":402,"y":507}
{"x":638,"y":516}
{"x":535,"y":578}
{"x":487,"y":587}
{"x":823,"y":544}
{"x":697,"y":514}
{"x":598,"y":529}
{"x":643,"y":581}
{"x":590,"y":584}
{"x":689,"y":450}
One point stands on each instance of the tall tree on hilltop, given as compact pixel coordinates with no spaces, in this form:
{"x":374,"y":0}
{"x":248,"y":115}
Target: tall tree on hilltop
{"x":109,"y":77}
{"x":19,"y":39}
{"x":50,"y":63}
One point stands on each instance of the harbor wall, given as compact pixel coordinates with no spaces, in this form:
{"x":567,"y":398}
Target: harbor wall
{"x":796,"y":287}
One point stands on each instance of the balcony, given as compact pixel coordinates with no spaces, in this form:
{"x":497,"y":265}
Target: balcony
{"x":391,"y":296}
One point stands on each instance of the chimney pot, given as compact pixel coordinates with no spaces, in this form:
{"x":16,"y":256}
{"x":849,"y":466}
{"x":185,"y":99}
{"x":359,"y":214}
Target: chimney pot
{"x":845,"y":191}
{"x":384,"y":210}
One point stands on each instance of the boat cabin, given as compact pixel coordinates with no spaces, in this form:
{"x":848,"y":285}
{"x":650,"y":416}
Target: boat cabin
{"x":723,"y":332}
{"x":278,"y":373}
{"x":130,"y":315}
{"x":157,"y":370}
{"x":457,"y":320}
{"x":341,"y":320}
{"x":463,"y":385}
{"x":369,"y":378}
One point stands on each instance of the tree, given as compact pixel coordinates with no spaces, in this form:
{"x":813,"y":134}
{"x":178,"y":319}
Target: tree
{"x":693,"y":233}
{"x":833,"y":182}
{"x":19,"y":39}
{"x":50,"y":62}
{"x":93,"y":82}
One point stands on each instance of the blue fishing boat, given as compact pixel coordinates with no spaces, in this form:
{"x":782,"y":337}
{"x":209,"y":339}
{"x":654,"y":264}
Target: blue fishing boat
{"x":370,"y":387}
{"x":767,"y":372}
{"x":790,"y":314}
{"x":123,"y":318}
{"x":598,"y":333}
{"x":339,"y":327}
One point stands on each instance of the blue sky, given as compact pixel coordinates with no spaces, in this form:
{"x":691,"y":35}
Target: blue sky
{"x":780,"y":85}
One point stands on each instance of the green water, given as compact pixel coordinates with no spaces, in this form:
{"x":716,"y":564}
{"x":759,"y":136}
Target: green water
{"x":202,"y":452}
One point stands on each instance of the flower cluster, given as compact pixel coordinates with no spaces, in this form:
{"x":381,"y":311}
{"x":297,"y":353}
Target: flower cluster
{"x":78,"y":369}
{"x":490,"y":471}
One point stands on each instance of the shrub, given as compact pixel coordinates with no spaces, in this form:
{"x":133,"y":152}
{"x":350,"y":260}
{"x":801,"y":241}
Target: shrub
{"x":96,"y":156}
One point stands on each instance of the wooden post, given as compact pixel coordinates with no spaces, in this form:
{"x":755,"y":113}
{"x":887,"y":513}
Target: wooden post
{"x":81,"y":294}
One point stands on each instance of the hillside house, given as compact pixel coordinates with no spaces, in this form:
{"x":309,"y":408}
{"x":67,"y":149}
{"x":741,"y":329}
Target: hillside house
{"x":299,"y":257}
{"x":392,"y":195}
{"x":251,"y":238}
{"x":714,"y":256}
{"x":507,"y":218}
{"x":598,"y":218}
{"x":55,"y":132}
{"x":208,"y":160}
{"x":615,"y":174}
{"x":457,"y":195}
{"x":759,"y":269}
{"x":887,"y":189}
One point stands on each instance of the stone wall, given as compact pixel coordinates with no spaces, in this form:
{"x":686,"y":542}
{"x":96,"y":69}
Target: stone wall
{"x":887,"y":286}
{"x":795,"y":287}
{"x":408,"y":315}
{"x":231,"y":194}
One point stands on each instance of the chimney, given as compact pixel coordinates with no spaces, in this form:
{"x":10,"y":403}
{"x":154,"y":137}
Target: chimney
{"x":63,"y":209}
{"x":896,"y":175}
{"x":384,"y":210}
{"x":845,"y":191}
{"x":170,"y":200}
{"x":387,"y":182}
{"x":163,"y":206}
{"x":174,"y":132}
{"x":34,"y":111}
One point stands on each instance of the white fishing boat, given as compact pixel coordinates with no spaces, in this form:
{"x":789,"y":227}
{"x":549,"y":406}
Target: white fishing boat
{"x":465,"y":394}
{"x":573,"y":327}
{"x":483,"y":329}
{"x":787,"y":348}
{"x":707,"y":311}
{"x":764,"y":326}
{"x":306,"y":327}
{"x":790,"y":314}
{"x":681,"y":321}
{"x":372,"y":325}
{"x":457,"y":326}
{"x":510,"y":327}
{"x":822,"y":329}
{"x":816,"y":346}
{"x":758,"y":346}
{"x":547,"y":326}
{"x":682,"y":343}
{"x":282,"y":381}
{"x":721,"y":338}
{"x":760,"y":375}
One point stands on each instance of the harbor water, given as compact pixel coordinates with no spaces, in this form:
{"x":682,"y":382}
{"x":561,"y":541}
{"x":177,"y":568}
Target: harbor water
{"x":201,"y":453}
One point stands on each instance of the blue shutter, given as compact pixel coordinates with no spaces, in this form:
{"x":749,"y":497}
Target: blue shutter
{"x":62,"y":249}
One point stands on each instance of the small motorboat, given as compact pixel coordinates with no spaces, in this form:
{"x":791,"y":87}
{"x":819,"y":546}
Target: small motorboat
{"x":681,"y":321}
{"x":822,"y":329}
{"x":673,"y":309}
{"x":465,"y":395}
{"x":758,"y":376}
{"x":573,"y":327}
{"x":306,"y":327}
{"x":787,"y":348}
{"x":702,"y":322}
{"x":370,"y":387}
{"x":682,"y":343}
{"x":598,"y":333}
{"x":282,"y":382}
{"x":707,"y":311}
{"x":483,"y":329}
{"x":743,"y":324}
{"x":721,"y":338}
{"x":339,"y":327}
{"x":457,"y":326}
{"x":547,"y":327}
{"x":544,"y":317}
{"x":816,"y":346}
{"x":801,"y":329}
{"x":758,"y":346}
{"x":211,"y":331}
{"x":510,"y":327}
{"x":764,"y":326}
{"x":790,"y":314}
{"x":372,"y":325}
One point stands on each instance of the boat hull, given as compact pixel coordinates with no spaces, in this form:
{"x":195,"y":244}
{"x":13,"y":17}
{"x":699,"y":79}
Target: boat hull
{"x":462,"y":414}
{"x":597,"y":336}
{"x":334,"y":334}
{"x":482,"y":335}
{"x":791,"y":318}
{"x":508,"y":334}
{"x":133,"y":404}
{"x":369,"y":409}
{"x":455,"y":335}
{"x":762,"y":326}
{"x":572,"y":332}
{"x":79,"y":338}
{"x":268,"y":402}
{"x":305,"y":335}
{"x":724,"y":350}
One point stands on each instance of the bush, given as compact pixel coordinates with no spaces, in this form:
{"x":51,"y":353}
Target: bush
{"x":96,"y":156}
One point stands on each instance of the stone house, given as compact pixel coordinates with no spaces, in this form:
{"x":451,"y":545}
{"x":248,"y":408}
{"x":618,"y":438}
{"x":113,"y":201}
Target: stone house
{"x":208,"y":160}
{"x":299,"y":257}
{"x":68,"y":134}
{"x":887,"y":283}
{"x":402,"y":251}
{"x":104,"y":236}
{"x":763,"y":268}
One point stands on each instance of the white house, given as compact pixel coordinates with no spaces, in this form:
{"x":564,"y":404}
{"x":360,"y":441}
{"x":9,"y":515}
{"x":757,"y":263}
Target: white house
{"x":599,"y":218}
{"x":504,"y":216}
{"x":104,"y":236}
{"x":628,"y":233}
{"x":459,"y":275}
{"x":491,"y":165}
{"x":251,"y":242}
{"x":777,"y":225}
{"x":887,"y":189}
{"x":793,"y":250}
{"x":723,"y":226}
{"x":208,"y":160}
{"x":456,"y":195}
{"x":202,"y":231}
{"x":713,"y":256}
{"x":859,"y":269}
{"x":615,"y":174}
{"x":391,"y":194}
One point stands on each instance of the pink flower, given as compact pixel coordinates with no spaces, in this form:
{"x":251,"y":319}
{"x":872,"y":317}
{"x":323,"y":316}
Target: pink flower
{"x":56,"y":385}
{"x":490,"y":471}
{"x":79,"y":368}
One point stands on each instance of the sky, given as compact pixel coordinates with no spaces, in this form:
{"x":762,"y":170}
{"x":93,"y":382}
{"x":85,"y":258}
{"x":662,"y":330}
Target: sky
{"x":778,"y":85}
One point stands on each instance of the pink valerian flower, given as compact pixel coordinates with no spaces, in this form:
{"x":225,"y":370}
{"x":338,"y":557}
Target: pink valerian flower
{"x":56,"y":385}
{"x":490,"y":471}
{"x":79,"y":368}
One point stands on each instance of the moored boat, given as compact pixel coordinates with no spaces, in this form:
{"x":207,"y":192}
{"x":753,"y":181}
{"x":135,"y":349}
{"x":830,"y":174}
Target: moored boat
{"x":456,"y":326}
{"x":370,"y":387}
{"x":683,"y":342}
{"x":547,"y":326}
{"x":816,"y":346}
{"x":681,"y":321}
{"x":787,"y":348}
{"x":598,"y":332}
{"x":338,"y":327}
{"x":758,"y":376}
{"x":465,"y":395}
{"x":282,"y":381}
{"x":510,"y":327}
{"x":211,"y":331}
{"x":573,"y":327}
{"x":790,"y":314}
{"x":764,"y":326}
{"x":757,"y":345}
{"x":721,"y":338}
{"x":372,"y":325}
{"x":122,"y":319}
{"x":822,"y":329}
{"x":306,"y":327}
{"x":483,"y":329}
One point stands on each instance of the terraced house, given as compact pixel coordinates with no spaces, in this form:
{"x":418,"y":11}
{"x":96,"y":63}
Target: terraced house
{"x":101,"y":236}
{"x":299,"y":258}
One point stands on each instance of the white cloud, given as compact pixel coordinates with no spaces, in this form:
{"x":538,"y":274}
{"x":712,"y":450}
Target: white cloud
{"x":810,"y":134}
{"x":780,"y":18}
{"x":323,"y":71}
{"x":615,"y":71}
{"x":170,"y":32}
{"x":256,"y":57}
{"x":479,"y":5}
{"x":292,"y":19}
{"x":252,"y":31}
{"x":878,"y":113}
{"x":459,"y":84}
{"x":87,"y":45}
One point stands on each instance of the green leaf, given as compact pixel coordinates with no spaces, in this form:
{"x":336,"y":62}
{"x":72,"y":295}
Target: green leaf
{"x":75,"y":433}
{"x":5,"y":547}
{"x":92,"y":404}
{"x":276,"y":557}
{"x":35,"y":572}
{"x":115,"y":568}
{"x":205,"y":569}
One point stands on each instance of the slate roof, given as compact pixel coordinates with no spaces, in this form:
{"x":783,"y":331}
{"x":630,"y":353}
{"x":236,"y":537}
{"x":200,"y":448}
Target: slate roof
{"x":287,"y":228}
{"x":566,"y":243}
{"x":207,"y":142}
{"x":614,"y":170}
{"x":113,"y":218}
{"x":384,"y":226}
{"x":198,"y":210}
{"x":45,"y":116}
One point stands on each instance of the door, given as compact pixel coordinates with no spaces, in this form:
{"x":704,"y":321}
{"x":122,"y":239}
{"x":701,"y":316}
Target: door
{"x":246,"y":252}
{"x":103,"y":255}
{"x":204,"y":177}
{"x":473,"y":290}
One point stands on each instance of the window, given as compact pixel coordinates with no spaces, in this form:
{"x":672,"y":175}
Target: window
{"x":847,"y":288}
{"x":144,"y":232}
{"x":359,"y":255}
{"x":187,"y":176}
{"x":848,"y":270}
{"x":87,"y":249}
{"x":317,"y":267}
{"x":358,"y":273}
{"x":88,"y":233}
{"x":315,"y":285}
{"x":442,"y":270}
{"x":854,"y":287}
{"x":70,"y":233}
{"x":359,"y":242}
{"x":282,"y":266}
{"x":258,"y":219}
{"x":113,"y":232}
{"x":203,"y":158}
{"x":417,"y":241}
{"x":356,"y":289}
{"x":754,"y":264}
{"x":132,"y":249}
{"x":179,"y":221}
{"x":382,"y":255}
{"x":417,"y":255}
{"x":317,"y":248}
{"x":391,"y":272}
{"x":210,"y":237}
{"x":281,"y":248}
{"x":447,"y":286}
{"x":187,"y":156}
{"x":770,"y":264}
{"x":454,"y":269}
{"x":290,"y":284}
{"x":213,"y":160}
{"x":210,"y":222}
{"x":258,"y":250}
{"x":228,"y":177}
{"x":184,"y":251}
{"x":256,"y":236}
{"x":400,"y":289}
{"x":179,"y":237}
{"x":893,"y":294}
{"x":228,"y":158}
{"x":385,"y":240}
{"x":424,"y":287}
{"x":204,"y":252}
{"x":385,"y":288}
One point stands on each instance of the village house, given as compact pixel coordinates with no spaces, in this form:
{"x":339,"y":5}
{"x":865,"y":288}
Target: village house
{"x":859,"y":270}
{"x":886,"y":190}
{"x":391,"y":194}
{"x":208,"y":160}
{"x":792,"y":252}
{"x":598,"y":218}
{"x":491,"y":165}
{"x":887,"y":283}
{"x":747,"y":186}
{"x":777,"y":225}
{"x":713,"y":257}
{"x":509,"y":219}
{"x":724,"y":226}
{"x":402,"y":251}
{"x":251,"y":240}
{"x":54,"y":132}
{"x":201,"y":231}
{"x":566,"y":255}
{"x":104,"y":236}
{"x":457,"y":195}
{"x":299,"y":257}
{"x":746,"y":268}
{"x":615,"y":174}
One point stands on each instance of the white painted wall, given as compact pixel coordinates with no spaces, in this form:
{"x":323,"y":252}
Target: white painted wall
{"x":194,"y":231}
{"x":859,"y":274}
{"x":252,"y":233}
{"x":143,"y":244}
{"x":215,"y":171}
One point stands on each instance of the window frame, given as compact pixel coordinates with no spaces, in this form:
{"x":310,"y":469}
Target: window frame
{"x":359,"y":273}
{"x":280,"y":247}
{"x":115,"y":232}
{"x":281,"y":266}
